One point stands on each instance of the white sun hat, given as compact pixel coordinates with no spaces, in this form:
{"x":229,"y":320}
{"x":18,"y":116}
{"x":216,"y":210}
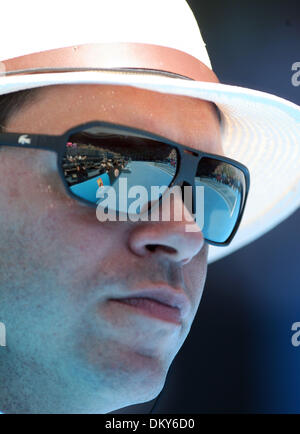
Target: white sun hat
{"x":157,"y":45}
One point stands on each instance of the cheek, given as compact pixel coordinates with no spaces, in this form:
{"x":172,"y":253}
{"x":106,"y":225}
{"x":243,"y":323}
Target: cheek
{"x":195,"y":276}
{"x":30,"y":177}
{"x":36,"y":210}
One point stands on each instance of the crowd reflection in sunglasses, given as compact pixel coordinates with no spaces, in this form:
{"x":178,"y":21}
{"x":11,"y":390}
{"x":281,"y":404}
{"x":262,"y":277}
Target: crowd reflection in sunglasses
{"x":83,"y":162}
{"x":80,"y":164}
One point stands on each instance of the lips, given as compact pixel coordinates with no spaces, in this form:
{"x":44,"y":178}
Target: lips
{"x":161,"y":303}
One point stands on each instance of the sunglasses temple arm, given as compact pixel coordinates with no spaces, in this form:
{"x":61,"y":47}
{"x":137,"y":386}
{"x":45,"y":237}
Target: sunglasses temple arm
{"x":47,"y":142}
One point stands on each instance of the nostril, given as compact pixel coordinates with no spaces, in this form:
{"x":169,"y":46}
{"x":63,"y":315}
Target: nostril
{"x":151,"y":247}
{"x":154,"y":247}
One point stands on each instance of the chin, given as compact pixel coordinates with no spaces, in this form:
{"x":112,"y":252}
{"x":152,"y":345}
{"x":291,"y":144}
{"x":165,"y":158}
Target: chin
{"x":136,"y":386}
{"x":142,"y":394}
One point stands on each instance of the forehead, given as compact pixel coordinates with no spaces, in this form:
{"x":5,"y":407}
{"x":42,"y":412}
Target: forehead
{"x":185,"y":120}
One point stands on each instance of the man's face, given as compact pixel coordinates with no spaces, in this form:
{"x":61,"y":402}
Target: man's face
{"x":70,"y":347}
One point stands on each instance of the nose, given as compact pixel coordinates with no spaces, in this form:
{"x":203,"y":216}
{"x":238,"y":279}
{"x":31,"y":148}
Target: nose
{"x":176,"y":240}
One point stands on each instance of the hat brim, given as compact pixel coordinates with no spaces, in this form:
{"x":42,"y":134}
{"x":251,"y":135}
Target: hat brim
{"x":260,"y":130}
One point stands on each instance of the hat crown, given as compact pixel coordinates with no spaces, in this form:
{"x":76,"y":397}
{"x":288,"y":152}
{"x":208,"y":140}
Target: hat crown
{"x":36,"y":26}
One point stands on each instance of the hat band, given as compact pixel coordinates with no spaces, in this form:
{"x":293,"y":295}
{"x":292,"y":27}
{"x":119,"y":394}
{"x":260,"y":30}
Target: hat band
{"x":116,"y":55}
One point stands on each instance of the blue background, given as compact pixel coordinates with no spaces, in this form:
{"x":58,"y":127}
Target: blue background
{"x":238,"y":356}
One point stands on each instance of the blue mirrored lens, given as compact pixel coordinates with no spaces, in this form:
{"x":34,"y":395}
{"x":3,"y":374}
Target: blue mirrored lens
{"x":97,"y":158}
{"x":224,"y":189}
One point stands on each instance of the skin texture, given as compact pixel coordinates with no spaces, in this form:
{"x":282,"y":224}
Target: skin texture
{"x":69,"y":349}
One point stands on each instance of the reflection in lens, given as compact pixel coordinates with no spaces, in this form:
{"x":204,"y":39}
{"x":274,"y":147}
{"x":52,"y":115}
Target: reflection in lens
{"x":224,"y":189}
{"x":99,"y":157}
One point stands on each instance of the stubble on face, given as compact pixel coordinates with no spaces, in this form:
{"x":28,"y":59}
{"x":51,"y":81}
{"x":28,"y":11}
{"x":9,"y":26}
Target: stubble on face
{"x":61,"y":265}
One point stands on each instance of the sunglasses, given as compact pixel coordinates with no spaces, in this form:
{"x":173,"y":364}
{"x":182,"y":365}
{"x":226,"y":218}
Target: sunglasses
{"x":97,"y":155}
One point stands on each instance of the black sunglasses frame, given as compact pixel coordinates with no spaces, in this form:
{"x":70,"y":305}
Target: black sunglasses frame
{"x":188,"y":159}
